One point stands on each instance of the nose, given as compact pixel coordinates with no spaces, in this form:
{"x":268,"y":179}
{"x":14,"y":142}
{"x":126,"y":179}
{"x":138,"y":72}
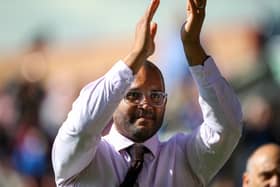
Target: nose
{"x":145,"y":103}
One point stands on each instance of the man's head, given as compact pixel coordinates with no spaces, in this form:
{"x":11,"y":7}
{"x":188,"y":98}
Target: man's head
{"x":140,"y":114}
{"x":263,"y":167}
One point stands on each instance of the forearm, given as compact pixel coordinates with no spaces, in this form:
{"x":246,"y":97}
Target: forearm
{"x":134,"y":60}
{"x":216,"y":138}
{"x":217,"y":95}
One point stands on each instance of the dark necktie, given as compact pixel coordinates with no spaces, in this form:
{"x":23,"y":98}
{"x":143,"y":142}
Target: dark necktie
{"x":137,"y":154}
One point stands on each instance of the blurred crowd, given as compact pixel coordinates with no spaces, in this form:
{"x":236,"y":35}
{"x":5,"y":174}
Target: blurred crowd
{"x":32,"y":110}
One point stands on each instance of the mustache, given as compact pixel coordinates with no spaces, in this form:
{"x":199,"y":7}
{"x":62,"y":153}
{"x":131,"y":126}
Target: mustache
{"x":142,"y":113}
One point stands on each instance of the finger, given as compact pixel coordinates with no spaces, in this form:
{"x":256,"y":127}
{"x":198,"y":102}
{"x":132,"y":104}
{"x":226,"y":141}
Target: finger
{"x":153,"y":30}
{"x":189,"y":11}
{"x":188,"y":6}
{"x":152,"y":9}
{"x":191,"y":6}
{"x":198,"y":4}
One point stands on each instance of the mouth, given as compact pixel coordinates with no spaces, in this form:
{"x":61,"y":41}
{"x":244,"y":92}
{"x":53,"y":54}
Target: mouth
{"x":144,"y":119}
{"x":143,"y":123}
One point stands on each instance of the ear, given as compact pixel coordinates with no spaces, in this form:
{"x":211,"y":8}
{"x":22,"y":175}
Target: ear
{"x":245,"y":180}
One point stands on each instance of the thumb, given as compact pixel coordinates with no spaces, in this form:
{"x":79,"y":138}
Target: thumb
{"x":153,"y":30}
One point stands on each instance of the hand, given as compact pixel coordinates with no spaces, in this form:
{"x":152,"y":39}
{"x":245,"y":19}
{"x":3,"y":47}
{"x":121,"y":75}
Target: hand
{"x":144,"y":45}
{"x":146,"y":31}
{"x":190,"y":32}
{"x":191,"y":29}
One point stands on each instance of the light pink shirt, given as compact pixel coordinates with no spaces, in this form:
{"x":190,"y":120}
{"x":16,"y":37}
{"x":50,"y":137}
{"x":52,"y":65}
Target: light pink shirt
{"x":82,"y":157}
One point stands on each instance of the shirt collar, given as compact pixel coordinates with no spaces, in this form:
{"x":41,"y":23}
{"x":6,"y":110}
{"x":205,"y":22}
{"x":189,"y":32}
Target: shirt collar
{"x":120,"y":142}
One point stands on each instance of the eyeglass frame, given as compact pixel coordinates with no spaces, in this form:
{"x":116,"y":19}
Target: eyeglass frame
{"x":148,"y":99}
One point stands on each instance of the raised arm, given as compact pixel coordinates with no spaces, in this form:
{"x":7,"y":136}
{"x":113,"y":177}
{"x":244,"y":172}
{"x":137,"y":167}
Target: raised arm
{"x":80,"y":134}
{"x":213,"y":142}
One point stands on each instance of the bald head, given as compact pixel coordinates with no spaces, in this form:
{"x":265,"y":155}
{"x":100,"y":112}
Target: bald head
{"x":151,"y":69}
{"x":262,"y":155}
{"x":263,"y":167}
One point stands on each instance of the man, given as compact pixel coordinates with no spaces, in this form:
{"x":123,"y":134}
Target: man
{"x":132,"y":92}
{"x":263,"y":167}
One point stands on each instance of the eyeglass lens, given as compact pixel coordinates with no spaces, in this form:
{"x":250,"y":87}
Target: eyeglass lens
{"x":154,"y":97}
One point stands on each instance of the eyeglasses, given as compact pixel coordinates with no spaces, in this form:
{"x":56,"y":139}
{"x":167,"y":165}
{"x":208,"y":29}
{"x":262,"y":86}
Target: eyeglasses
{"x":155,"y":98}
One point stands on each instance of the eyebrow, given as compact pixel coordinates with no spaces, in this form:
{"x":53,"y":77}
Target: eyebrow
{"x":133,"y":89}
{"x":269,"y":172}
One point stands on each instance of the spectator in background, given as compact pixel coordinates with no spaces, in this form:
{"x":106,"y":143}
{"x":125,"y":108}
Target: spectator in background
{"x":30,"y":145}
{"x":263,"y":167}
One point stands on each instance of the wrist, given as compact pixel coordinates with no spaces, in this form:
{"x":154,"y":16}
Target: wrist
{"x":134,"y":60}
{"x":195,"y":53}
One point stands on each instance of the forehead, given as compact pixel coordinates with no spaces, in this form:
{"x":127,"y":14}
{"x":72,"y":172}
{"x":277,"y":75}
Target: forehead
{"x":268,"y":162}
{"x":148,"y":77}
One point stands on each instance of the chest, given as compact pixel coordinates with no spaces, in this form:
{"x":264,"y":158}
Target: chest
{"x":169,"y":168}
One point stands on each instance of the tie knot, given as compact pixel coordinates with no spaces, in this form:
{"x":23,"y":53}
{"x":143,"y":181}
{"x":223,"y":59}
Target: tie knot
{"x":138,"y":151}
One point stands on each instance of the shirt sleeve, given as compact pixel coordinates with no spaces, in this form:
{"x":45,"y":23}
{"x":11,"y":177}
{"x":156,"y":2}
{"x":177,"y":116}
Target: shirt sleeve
{"x":77,"y":139}
{"x":213,"y":142}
